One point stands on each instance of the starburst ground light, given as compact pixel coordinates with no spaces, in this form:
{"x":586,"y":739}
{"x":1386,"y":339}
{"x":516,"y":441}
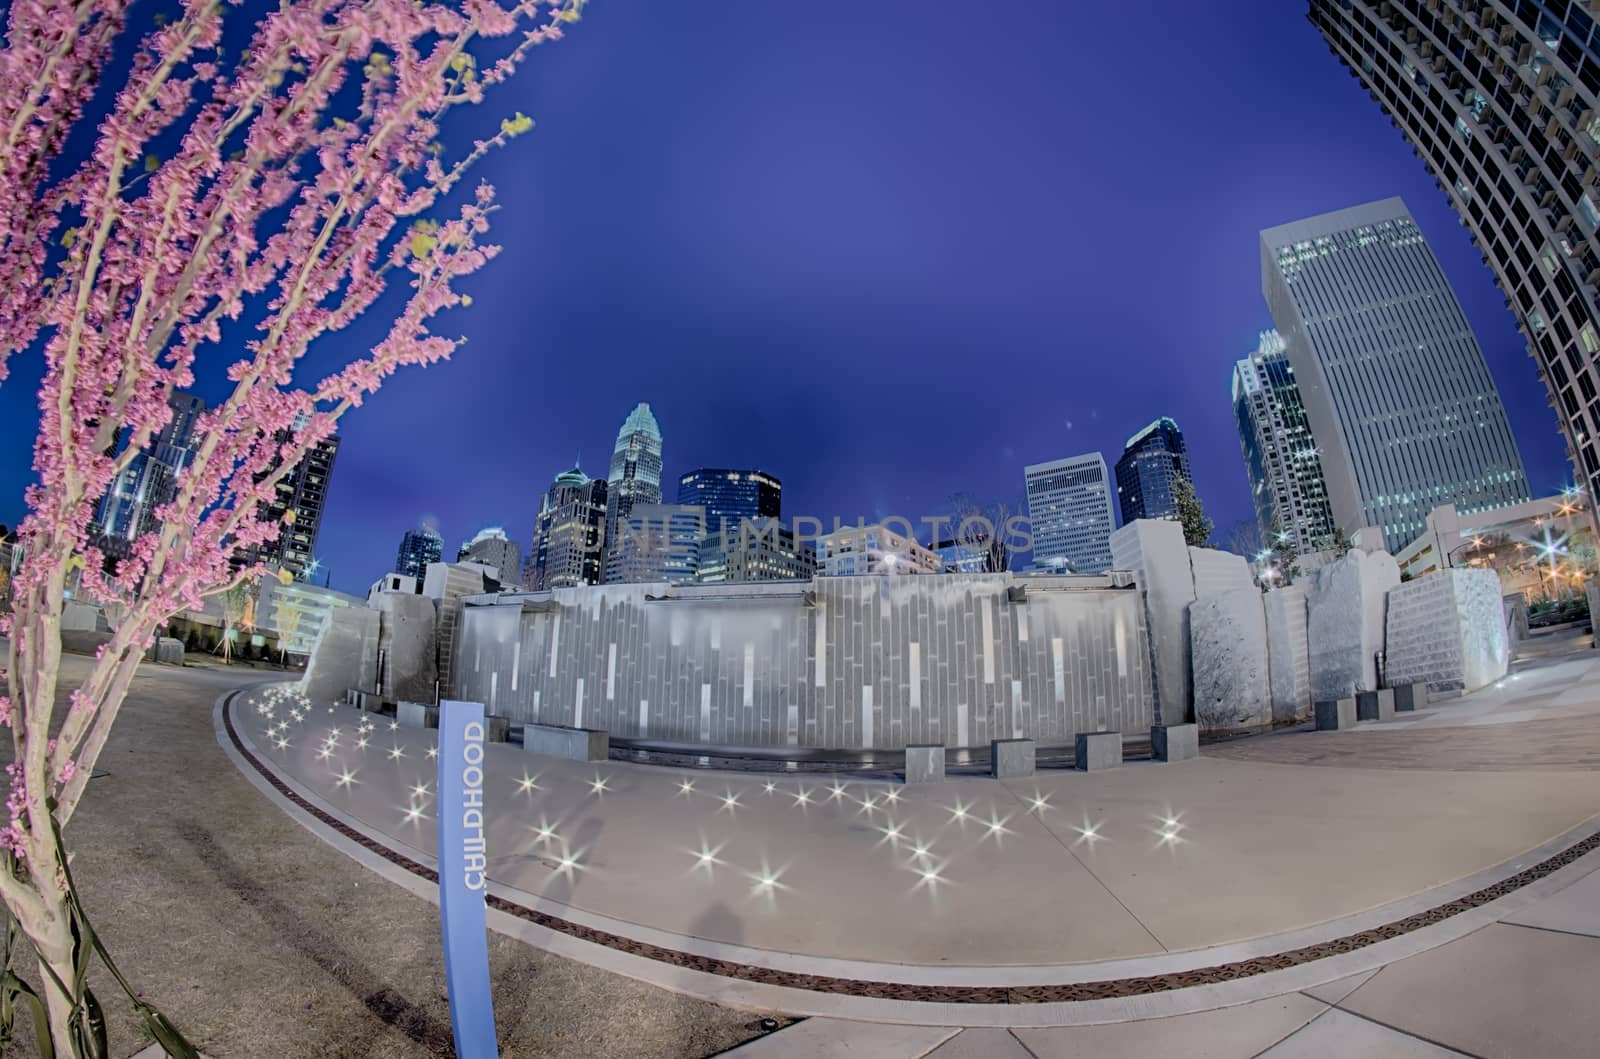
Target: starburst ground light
{"x":838,"y":852}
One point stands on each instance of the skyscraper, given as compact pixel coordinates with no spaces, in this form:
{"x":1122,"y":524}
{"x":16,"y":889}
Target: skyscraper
{"x":493,"y":548}
{"x":755,"y":551}
{"x":658,"y":542}
{"x":1502,"y":102}
{"x":418,"y":548}
{"x":1280,"y":453}
{"x":1151,"y":464}
{"x":303,"y":491}
{"x":127,"y":511}
{"x":731,"y":496}
{"x":569,"y":536}
{"x":1395,"y":388}
{"x":635,"y":471}
{"x":1069,"y":506}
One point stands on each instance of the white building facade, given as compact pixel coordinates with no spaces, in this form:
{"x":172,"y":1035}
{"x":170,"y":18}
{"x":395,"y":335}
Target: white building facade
{"x":1070,"y":511}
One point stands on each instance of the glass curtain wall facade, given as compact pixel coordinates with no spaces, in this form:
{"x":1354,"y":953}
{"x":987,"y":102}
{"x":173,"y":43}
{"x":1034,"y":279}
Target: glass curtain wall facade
{"x":1152,"y":463}
{"x":127,"y":512}
{"x":1405,"y":414}
{"x":1499,"y":99}
{"x":1280,"y":453}
{"x":1069,"y":507}
{"x":418,"y":548}
{"x":732,"y":496}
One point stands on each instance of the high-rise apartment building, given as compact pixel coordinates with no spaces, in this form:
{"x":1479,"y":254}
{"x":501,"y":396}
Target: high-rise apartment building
{"x":127,"y":511}
{"x":732,"y":496}
{"x":757,"y":550}
{"x":658,"y":542}
{"x":1069,"y":508}
{"x":303,"y":491}
{"x":418,"y":548}
{"x":1501,"y":100}
{"x":635,"y":471}
{"x":1394,"y":384}
{"x":569,"y":536}
{"x":1152,"y":463}
{"x":492,"y":547}
{"x":1280,"y":453}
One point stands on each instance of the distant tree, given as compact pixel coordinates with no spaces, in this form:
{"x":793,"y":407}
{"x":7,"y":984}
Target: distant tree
{"x":982,"y":530}
{"x":1285,"y":554}
{"x":1244,"y":538}
{"x":1191,"y":514}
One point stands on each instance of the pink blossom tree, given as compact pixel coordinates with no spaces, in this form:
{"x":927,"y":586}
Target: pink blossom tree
{"x":226,"y":206}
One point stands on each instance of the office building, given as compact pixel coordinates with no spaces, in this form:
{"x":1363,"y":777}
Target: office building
{"x":127,"y":511}
{"x":732,"y":496}
{"x":758,"y":550}
{"x":418,"y":548}
{"x":1152,"y":463}
{"x":302,"y":495}
{"x":1280,"y":453}
{"x":852,"y":550}
{"x":1394,"y":385}
{"x":297,"y":613}
{"x":1501,"y":101}
{"x":658,"y":542}
{"x":568,"y":547}
{"x":492,"y":547}
{"x":635,"y":471}
{"x":1069,"y":509}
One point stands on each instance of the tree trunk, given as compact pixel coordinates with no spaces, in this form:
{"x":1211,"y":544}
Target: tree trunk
{"x":53,"y":939}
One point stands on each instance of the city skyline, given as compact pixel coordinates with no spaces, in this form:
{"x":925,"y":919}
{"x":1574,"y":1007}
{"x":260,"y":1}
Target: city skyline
{"x":734,"y":248}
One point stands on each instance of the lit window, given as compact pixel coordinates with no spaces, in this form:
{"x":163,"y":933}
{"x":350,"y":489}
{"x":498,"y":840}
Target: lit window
{"x":1590,"y":340}
{"x":1590,"y":214}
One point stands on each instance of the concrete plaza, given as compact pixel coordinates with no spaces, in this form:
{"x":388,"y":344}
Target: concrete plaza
{"x":925,"y":909}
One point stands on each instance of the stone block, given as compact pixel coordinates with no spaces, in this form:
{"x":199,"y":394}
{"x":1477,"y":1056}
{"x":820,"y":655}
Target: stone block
{"x":1010,"y":758}
{"x":1228,"y":651}
{"x":925,"y":763}
{"x":1335,"y":714}
{"x":1408,"y":697}
{"x":497,"y":729}
{"x":1375,"y":705}
{"x":578,"y":744}
{"x":1216,"y":572}
{"x":1155,"y":552}
{"x":344,"y":656}
{"x":1288,"y":653}
{"x":1447,"y":630}
{"x":417,"y":715}
{"x":1175,"y":742}
{"x":1097,"y":750}
{"x":1345,"y":622}
{"x":406,"y":645}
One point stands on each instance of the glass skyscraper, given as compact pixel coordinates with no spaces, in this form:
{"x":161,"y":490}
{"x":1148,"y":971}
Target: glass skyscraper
{"x":635,"y":472}
{"x":1069,"y":507}
{"x":418,"y":548}
{"x":658,"y":542}
{"x":1280,"y":453}
{"x":1394,"y":384}
{"x":1501,"y":100}
{"x":1152,"y":463}
{"x":127,"y":512}
{"x":732,"y":496}
{"x":568,"y":547}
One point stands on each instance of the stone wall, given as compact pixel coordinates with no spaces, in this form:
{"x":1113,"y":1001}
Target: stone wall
{"x":1228,"y":647}
{"x":1216,"y":572}
{"x":1344,"y":622}
{"x":345,"y":655}
{"x":1154,"y":551}
{"x":406,"y":647}
{"x":1447,"y":630}
{"x":837,"y":662}
{"x":1288,"y":652}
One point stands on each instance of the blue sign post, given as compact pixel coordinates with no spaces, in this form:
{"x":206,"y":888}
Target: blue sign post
{"x":463,"y":878}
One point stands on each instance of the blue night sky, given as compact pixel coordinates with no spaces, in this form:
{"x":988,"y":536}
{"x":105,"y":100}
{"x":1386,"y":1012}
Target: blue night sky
{"x":887,"y":251}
